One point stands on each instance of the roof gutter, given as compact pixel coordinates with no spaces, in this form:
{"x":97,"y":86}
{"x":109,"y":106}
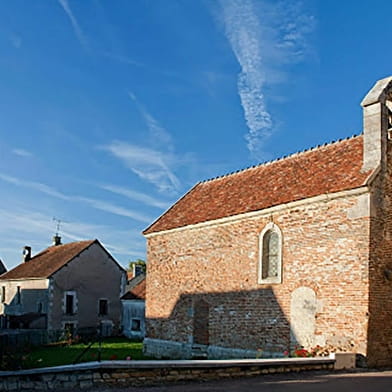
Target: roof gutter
{"x":23,"y":279}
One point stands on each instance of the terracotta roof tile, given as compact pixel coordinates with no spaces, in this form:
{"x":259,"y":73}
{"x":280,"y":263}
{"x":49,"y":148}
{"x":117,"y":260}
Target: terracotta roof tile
{"x":326,"y":169}
{"x":45,"y":263}
{"x":138,"y":292}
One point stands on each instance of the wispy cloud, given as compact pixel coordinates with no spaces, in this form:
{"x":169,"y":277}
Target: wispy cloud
{"x":21,"y":152}
{"x":94,"y":203}
{"x":153,"y":162}
{"x":262,"y":34}
{"x":138,"y":196}
{"x":16,"y":40}
{"x":158,"y":134}
{"x":37,"y":186}
{"x":150,"y":165}
{"x":122,"y":59}
{"x":75,"y":25}
{"x":113,"y":209}
{"x":293,"y":26}
{"x":35,"y":229}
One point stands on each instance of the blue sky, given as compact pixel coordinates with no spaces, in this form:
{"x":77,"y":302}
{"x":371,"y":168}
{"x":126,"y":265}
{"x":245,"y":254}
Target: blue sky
{"x":110,"y":111}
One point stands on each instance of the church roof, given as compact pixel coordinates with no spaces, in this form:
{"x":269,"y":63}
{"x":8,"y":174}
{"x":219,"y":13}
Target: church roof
{"x":47,"y":262}
{"x":326,"y":169}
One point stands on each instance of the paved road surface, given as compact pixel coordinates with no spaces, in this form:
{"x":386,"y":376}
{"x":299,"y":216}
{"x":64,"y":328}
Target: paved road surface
{"x":304,"y":382}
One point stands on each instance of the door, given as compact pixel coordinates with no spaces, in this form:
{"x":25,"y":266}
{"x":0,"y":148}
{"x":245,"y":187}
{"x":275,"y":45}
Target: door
{"x":201,"y":322}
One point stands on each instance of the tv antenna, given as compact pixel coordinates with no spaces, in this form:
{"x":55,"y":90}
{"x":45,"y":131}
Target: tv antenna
{"x":58,"y":224}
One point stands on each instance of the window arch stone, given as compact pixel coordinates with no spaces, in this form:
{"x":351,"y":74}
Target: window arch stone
{"x":270,"y":255}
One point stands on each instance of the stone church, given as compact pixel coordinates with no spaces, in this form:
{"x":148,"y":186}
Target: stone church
{"x":293,"y":252}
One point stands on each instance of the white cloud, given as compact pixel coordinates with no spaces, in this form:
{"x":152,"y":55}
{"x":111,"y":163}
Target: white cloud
{"x":94,"y":203}
{"x":75,"y":25}
{"x":150,"y":165}
{"x":21,"y":152}
{"x":138,"y":196}
{"x":263,"y":36}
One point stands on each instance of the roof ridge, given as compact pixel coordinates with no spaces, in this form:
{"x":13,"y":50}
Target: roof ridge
{"x":266,"y":163}
{"x":51,"y":247}
{"x":40,"y":266}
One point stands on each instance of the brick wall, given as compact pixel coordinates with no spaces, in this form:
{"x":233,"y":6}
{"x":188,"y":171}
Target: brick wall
{"x":325,"y":248}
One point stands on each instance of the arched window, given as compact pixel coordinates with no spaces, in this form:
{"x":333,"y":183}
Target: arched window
{"x":270,"y":253}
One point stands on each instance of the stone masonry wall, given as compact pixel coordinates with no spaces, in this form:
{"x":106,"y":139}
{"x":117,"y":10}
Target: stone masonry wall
{"x":119,"y":374}
{"x":380,"y":267}
{"x":325,"y":252}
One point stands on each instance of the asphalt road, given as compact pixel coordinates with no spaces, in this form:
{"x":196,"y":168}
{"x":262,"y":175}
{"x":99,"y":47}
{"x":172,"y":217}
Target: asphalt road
{"x":320,"y":382}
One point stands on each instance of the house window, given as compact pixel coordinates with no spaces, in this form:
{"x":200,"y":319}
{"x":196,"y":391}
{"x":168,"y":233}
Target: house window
{"x":136,"y":325}
{"x":40,"y":306}
{"x":103,"y":307}
{"x":3,"y":294}
{"x":270,"y":255}
{"x":70,"y":302}
{"x":18,"y":295}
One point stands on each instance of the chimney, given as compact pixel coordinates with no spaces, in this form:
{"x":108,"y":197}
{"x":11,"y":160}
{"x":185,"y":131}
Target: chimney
{"x":137,"y":270}
{"x":56,"y":240}
{"x":377,"y":123}
{"x":26,"y":254}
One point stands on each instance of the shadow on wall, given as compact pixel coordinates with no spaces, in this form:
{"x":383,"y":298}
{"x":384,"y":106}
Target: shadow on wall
{"x":247,"y":320}
{"x":380,"y":278}
{"x":26,"y":310}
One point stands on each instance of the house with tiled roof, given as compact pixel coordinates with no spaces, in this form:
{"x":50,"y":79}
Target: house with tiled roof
{"x":133,"y":307}
{"x":293,"y":252}
{"x":3,"y":269}
{"x":71,"y":286}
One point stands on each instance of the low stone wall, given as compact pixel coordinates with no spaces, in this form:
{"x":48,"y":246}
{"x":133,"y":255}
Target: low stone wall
{"x":158,"y":348}
{"x":133,"y":373}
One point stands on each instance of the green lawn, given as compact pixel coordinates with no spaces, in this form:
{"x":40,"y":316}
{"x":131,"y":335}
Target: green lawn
{"x":112,"y":349}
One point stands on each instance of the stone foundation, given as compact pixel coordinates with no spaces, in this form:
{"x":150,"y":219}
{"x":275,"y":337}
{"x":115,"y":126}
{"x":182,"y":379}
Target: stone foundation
{"x":158,"y":348}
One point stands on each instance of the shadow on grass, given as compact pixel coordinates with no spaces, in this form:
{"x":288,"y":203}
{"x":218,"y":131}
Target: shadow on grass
{"x":111,"y":349}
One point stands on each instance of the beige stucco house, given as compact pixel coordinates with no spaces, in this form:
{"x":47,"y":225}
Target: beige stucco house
{"x":297,"y":251}
{"x":66,"y":286}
